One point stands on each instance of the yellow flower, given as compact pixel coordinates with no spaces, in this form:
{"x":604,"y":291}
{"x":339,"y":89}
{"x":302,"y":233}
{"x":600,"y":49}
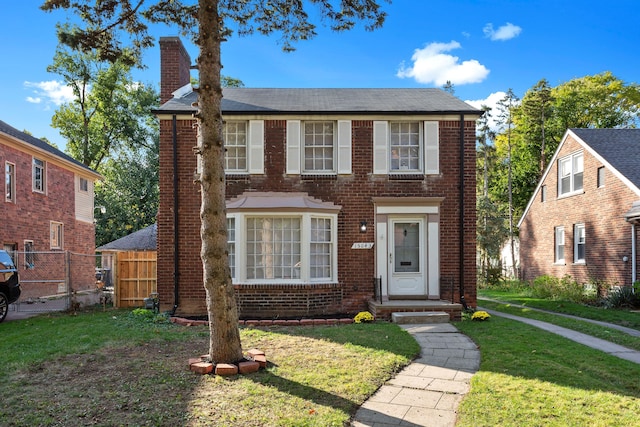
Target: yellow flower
{"x":363,"y":317}
{"x":480,"y":316}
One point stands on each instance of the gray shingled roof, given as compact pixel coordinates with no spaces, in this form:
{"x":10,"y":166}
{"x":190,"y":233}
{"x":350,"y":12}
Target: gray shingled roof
{"x":38,"y":143}
{"x":362,"y":101}
{"x":618,"y":147}
{"x":141,"y":240}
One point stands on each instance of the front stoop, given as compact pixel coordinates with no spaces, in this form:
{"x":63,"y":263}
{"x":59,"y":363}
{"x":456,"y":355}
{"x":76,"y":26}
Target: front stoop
{"x":384,"y":310}
{"x":420,"y":317}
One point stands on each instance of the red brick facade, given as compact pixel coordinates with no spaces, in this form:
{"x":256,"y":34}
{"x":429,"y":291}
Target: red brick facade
{"x":354,"y":193}
{"x":600,"y":209}
{"x":29,"y":216}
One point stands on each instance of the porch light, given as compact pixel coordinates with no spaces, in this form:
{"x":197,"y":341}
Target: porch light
{"x":363,"y":226}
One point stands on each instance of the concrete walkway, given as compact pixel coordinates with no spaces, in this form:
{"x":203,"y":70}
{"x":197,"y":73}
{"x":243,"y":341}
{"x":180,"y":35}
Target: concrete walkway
{"x":428,"y":391}
{"x":588,"y":340}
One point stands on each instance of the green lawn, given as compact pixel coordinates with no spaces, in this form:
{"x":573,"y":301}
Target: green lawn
{"x":529,"y":377}
{"x":532,"y":377}
{"x":113,"y":368}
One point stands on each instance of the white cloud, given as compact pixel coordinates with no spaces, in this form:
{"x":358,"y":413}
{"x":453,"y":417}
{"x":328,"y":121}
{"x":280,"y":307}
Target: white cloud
{"x":53,"y":91}
{"x":432,"y":64}
{"x":492,"y":102}
{"x":506,"y":32}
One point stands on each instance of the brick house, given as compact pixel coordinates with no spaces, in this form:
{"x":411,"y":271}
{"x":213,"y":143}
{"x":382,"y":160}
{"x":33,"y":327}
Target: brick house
{"x":338,"y":200}
{"x":582,"y":217}
{"x":48,"y":206}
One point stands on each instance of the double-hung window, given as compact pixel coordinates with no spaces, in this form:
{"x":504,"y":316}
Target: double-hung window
{"x":570,"y":172}
{"x":406,"y":147}
{"x":559,"y":245}
{"x":56,"y":235}
{"x":235,"y":144}
{"x":10,"y":182}
{"x":579,"y":243}
{"x":319,"y":143}
{"x":231,"y":245}
{"x":243,"y":147}
{"x":39,"y":175}
{"x":318,"y":147}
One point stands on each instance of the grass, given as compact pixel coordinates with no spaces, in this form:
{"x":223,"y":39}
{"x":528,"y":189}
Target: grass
{"x":529,"y":377}
{"x":520,"y":296}
{"x":113,"y":368}
{"x":604,"y":333}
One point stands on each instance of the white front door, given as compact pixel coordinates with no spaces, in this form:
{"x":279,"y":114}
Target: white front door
{"x":406,"y":257}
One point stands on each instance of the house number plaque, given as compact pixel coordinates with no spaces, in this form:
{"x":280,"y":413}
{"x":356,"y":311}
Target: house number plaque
{"x":362,"y":245}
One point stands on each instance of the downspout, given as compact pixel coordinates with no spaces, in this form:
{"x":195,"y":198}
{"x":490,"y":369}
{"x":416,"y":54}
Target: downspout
{"x":633,"y":255}
{"x":461,"y":219}
{"x":176,"y":261}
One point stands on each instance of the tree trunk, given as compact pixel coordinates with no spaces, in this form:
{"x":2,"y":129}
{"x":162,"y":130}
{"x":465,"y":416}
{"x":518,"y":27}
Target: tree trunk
{"x":224,"y":342}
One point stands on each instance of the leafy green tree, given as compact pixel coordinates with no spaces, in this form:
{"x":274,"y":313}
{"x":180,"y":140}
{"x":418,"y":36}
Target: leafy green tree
{"x":129,"y":193}
{"x":210,"y":22}
{"x":506,"y":107}
{"x":491,"y":228}
{"x":109,"y":110}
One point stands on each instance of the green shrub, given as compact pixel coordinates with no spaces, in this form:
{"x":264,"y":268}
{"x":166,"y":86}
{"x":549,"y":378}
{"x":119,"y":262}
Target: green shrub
{"x":564,"y":289}
{"x":623,"y":297}
{"x":149,"y":316}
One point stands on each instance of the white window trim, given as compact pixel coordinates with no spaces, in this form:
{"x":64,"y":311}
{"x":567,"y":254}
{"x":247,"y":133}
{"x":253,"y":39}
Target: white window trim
{"x":342,"y":145}
{"x":559,"y":232}
{"x":56,"y":235}
{"x":43,"y":190}
{"x":11,"y":199}
{"x":305,"y":225}
{"x":303,"y":149}
{"x":429,"y":148}
{"x":576,"y":229}
{"x":254,"y":149}
{"x":571,"y":159}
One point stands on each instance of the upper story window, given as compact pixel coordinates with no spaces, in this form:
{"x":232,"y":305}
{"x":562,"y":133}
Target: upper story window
{"x":570,"y":174}
{"x":84,"y":185}
{"x":10,"y":182}
{"x":235,"y":144}
{"x":319,"y":143}
{"x":601,"y":176}
{"x":318,"y":147}
{"x":406,"y":147}
{"x":39,"y":175}
{"x":559,"y":245}
{"x":244,"y":147}
{"x":543,"y":193}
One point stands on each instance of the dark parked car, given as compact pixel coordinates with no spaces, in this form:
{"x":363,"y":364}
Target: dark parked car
{"x":9,"y":284}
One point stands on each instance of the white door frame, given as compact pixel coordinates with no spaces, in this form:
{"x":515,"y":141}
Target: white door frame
{"x":389,"y":209}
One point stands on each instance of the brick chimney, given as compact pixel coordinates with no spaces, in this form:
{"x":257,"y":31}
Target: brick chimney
{"x":175,"y":66}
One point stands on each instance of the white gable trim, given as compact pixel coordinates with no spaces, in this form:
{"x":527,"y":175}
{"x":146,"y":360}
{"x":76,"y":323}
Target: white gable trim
{"x":554,"y":159}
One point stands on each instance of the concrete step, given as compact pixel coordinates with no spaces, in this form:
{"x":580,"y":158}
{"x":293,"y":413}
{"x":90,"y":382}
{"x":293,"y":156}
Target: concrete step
{"x":420,"y":317}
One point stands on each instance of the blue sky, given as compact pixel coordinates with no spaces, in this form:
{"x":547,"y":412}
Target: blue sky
{"x":484,"y":47}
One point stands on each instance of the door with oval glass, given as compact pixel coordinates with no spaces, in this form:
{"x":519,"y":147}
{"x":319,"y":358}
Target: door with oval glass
{"x":406,"y":258}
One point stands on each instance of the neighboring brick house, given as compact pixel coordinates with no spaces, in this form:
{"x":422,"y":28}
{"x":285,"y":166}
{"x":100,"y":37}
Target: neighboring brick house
{"x":327,"y":190}
{"x":48,"y":205}
{"x":581,"y":219}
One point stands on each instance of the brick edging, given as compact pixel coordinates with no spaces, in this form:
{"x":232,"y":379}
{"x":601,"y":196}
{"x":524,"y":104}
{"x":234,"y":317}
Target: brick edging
{"x":300,"y":322}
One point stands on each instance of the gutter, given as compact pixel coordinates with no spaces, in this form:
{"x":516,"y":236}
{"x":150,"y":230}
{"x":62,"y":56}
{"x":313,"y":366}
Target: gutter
{"x":176,"y":205}
{"x":461,"y":219}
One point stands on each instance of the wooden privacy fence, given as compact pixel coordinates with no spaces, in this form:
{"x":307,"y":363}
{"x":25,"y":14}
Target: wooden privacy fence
{"x":136,"y":277}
